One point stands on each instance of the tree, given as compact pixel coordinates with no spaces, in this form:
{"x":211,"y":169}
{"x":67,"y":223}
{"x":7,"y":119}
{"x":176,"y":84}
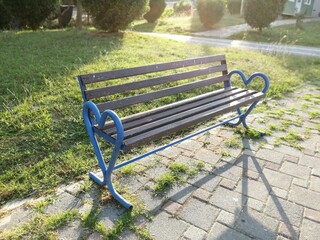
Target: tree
{"x":210,"y":11}
{"x":156,"y":9}
{"x":114,"y":15}
{"x":260,"y":13}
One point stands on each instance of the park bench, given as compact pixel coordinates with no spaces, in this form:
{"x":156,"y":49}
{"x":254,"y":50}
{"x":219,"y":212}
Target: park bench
{"x":199,"y":89}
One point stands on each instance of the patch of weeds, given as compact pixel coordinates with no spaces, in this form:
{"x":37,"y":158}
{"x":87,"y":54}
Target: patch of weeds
{"x":307,"y":97}
{"x":90,"y":219}
{"x":293,"y":138}
{"x":273,"y":127}
{"x":206,"y":143}
{"x":178,"y":172}
{"x":40,"y":206}
{"x":143,"y":232}
{"x":247,"y":133}
{"x":200,"y":166}
{"x":314,"y":114}
{"x":128,"y":170}
{"x":318,"y":127}
{"x":233,"y":143}
{"x":224,"y":153}
{"x":277,"y":114}
{"x":42,"y":226}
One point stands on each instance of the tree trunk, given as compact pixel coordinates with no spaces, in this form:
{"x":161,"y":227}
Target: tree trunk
{"x":79,"y":15}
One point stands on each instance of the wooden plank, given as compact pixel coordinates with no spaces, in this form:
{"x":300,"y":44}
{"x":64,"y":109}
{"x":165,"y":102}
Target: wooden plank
{"x":187,"y":112}
{"x":105,"y":91}
{"x":159,"y":94}
{"x":185,"y":123}
{"x":121,"y":73}
{"x":166,"y":112}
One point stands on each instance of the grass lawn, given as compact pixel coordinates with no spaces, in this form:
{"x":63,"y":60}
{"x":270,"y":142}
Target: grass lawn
{"x":287,"y":34}
{"x":184,"y":24}
{"x":43,"y":139}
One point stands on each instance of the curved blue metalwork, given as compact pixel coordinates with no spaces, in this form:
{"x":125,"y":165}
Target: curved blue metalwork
{"x":246,"y":82}
{"x":99,"y":120}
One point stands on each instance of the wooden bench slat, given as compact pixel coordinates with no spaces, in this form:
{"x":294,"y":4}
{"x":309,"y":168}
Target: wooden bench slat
{"x":105,"y":91}
{"x":188,"y":122}
{"x":114,"y":74}
{"x":187,"y":112}
{"x":166,"y":112}
{"x":159,"y":94}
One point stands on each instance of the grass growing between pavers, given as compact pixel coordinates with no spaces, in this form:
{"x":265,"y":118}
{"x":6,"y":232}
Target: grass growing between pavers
{"x":184,"y":24}
{"x":43,"y":139}
{"x":287,"y":34}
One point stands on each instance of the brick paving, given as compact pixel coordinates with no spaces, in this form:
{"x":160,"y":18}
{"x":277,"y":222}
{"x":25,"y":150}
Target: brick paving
{"x":265,"y":189}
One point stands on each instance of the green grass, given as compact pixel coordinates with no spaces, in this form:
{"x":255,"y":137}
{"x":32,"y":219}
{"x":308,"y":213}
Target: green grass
{"x":287,"y":34}
{"x":184,"y":24}
{"x":43,"y":139}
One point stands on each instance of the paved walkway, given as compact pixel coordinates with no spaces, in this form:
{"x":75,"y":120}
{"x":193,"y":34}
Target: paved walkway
{"x":247,"y":189}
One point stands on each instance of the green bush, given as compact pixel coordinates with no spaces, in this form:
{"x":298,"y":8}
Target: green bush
{"x":183,"y":7}
{"x":259,"y":14}
{"x":234,"y":6}
{"x":5,"y":16}
{"x":114,"y":15}
{"x":210,"y":11}
{"x":156,"y":9}
{"x":29,"y":13}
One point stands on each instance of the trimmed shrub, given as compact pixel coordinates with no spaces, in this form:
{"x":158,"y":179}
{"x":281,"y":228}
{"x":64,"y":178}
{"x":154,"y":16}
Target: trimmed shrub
{"x":114,"y":15}
{"x":30,"y":13}
{"x":234,"y":6}
{"x":210,"y":11}
{"x":156,"y":9}
{"x":259,"y":14}
{"x":183,"y":7}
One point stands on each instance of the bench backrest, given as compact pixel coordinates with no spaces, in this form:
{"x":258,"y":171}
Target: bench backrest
{"x":187,"y":75}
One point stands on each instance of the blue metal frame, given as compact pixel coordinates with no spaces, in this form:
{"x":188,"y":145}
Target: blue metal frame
{"x":93,"y":117}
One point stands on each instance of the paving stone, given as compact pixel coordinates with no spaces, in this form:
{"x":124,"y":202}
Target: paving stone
{"x":228,"y":200}
{"x":250,"y":163}
{"x":194,"y":233}
{"x":251,"y":174}
{"x":171,"y":207}
{"x":300,"y":182}
{"x":228,"y":171}
{"x":180,"y":192}
{"x":191,"y":145}
{"x":208,"y":156}
{"x":277,"y":179}
{"x":295,"y":170}
{"x":219,"y":231}
{"x":285,"y":211}
{"x":289,"y":231}
{"x":134,"y":183}
{"x":227,"y":218}
{"x":85,"y":208}
{"x":110,"y":214}
{"x":63,"y":202}
{"x":290,"y":158}
{"x":278,"y":192}
{"x":257,"y":225}
{"x":312,"y":215}
{"x":272,"y":166}
{"x":315,"y":172}
{"x":151,"y":202}
{"x":314,"y":184}
{"x":228,"y":184}
{"x":171,"y":152}
{"x":164,"y":226}
{"x":202,"y":194}
{"x":206,"y":181}
{"x":270,"y":155}
{"x":255,"y":204}
{"x":16,"y":217}
{"x":287,"y":150}
{"x":156,"y":171}
{"x":128,"y":235}
{"x":310,"y":230}
{"x":95,"y":236}
{"x":15,"y":204}
{"x":75,"y":188}
{"x":254,"y":189}
{"x":310,"y":161}
{"x":305,"y":197}
{"x":199,"y":214}
{"x":71,"y":231}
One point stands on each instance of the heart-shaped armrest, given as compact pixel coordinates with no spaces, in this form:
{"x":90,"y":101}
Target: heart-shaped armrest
{"x":101,"y":119}
{"x":247,"y":81}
